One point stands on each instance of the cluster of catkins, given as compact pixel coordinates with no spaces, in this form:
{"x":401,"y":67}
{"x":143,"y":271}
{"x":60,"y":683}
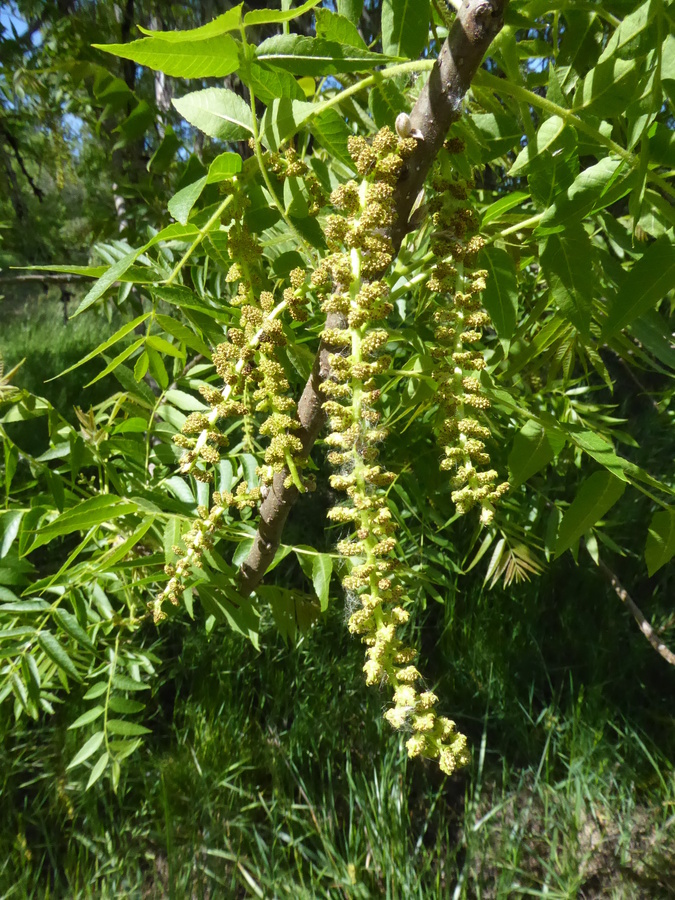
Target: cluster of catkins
{"x":459,"y":320}
{"x":349,"y":282}
{"x":253,"y":381}
{"x":198,"y":539}
{"x":361,"y":252}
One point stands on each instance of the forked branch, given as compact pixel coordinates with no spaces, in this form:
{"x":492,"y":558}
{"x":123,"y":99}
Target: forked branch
{"x":476,"y":25}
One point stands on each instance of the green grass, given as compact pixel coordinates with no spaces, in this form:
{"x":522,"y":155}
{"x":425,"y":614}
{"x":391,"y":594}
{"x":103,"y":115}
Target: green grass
{"x":35,"y":329}
{"x":270,"y":775}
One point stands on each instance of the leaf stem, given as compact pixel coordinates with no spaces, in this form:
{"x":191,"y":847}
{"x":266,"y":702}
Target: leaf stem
{"x":200,"y":237}
{"x":268,"y":182}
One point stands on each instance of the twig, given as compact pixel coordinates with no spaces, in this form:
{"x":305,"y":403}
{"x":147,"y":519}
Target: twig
{"x":439,"y":105}
{"x":645,"y":627}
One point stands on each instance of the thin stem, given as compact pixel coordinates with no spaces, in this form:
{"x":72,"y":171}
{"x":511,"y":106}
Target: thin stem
{"x":418,"y":65}
{"x":526,"y":223}
{"x":268,"y":182}
{"x":200,"y":237}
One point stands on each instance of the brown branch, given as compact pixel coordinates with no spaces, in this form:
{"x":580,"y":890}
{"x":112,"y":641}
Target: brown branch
{"x":644,"y":625}
{"x":11,"y":140}
{"x":477,"y":24}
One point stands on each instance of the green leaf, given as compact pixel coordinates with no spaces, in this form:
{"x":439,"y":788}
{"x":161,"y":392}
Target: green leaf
{"x":124,"y":705}
{"x":229,"y":21}
{"x":117,"y":360}
{"x":106,"y":280}
{"x":119,"y":551}
{"x":86,"y":515}
{"x":87,"y":718}
{"x":186,"y":402}
{"x":608,"y":88}
{"x":10,"y":522}
{"x":122,"y":749}
{"x":660,"y":546}
{"x":218,"y":112}
{"x":567,"y":262}
{"x":575,"y":203}
{"x":272,"y":16}
{"x":171,"y":538}
{"x":386,"y":102}
{"x":124,"y":683}
{"x":405,"y":27}
{"x":56,"y":652}
{"x":315,"y":56}
{"x":322,"y":568}
{"x":222,"y":600}
{"x":500,"y":296}
{"x":72,"y":627}
{"x":530,"y":453}
{"x":601,"y":450}
{"x":350,"y":9}
{"x":293,"y":612}
{"x":87,"y":750}
{"x":223,"y":167}
{"x":119,"y":334}
{"x":125,"y":728}
{"x":282,"y":119}
{"x":332,"y":133}
{"x":496,"y":210}
{"x":180,"y":205}
{"x":269,"y":84}
{"x":165,"y":154}
{"x":176,"y":295}
{"x":650,"y":279}
{"x":595,"y":497}
{"x":213,"y":57}
{"x":163,"y":346}
{"x":628,"y":39}
{"x":24,"y":606}
{"x":334,"y":27}
{"x":96,"y":690}
{"x":98,"y":769}
{"x":549,"y":132}
{"x":496,"y":134}
{"x":653,"y":332}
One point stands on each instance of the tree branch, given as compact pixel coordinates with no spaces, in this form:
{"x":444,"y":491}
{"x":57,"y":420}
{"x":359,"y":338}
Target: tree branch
{"x":645,"y":627}
{"x":11,"y":140}
{"x":439,"y":105}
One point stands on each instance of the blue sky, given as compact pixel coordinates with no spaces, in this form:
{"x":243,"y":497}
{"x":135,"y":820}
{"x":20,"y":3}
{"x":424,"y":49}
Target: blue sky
{"x":10,"y":18}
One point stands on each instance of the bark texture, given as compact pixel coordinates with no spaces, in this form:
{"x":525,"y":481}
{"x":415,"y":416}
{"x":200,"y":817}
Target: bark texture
{"x":439,"y":105}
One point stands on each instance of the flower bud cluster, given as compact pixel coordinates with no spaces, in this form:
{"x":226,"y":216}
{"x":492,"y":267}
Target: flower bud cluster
{"x":197,"y":540}
{"x":247,"y":362}
{"x":353,"y":272}
{"x":253,"y":382}
{"x":459,"y":320}
{"x":289,"y":165}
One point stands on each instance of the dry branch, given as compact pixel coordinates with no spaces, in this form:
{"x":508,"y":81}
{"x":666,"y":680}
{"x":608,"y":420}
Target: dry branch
{"x":643,"y":624}
{"x":476,"y":25}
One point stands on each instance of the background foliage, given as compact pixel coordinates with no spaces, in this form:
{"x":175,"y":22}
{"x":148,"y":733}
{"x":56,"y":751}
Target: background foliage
{"x":209,"y":745}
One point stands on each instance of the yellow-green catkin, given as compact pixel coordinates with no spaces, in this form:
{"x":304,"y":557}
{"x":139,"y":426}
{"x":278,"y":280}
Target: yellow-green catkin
{"x":248,"y":365}
{"x":289,"y":165}
{"x":198,"y":539}
{"x":254,"y":387}
{"x":456,"y":285}
{"x":361,"y":252}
